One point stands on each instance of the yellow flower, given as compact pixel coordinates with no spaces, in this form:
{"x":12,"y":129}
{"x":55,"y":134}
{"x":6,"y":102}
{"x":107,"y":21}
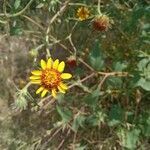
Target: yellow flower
{"x":83,"y":13}
{"x":50,"y":77}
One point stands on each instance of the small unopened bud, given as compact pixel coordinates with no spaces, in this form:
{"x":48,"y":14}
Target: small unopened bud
{"x":33,"y":53}
{"x":71,"y":61}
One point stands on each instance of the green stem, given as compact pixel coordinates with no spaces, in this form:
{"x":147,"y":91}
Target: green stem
{"x":99,"y":7}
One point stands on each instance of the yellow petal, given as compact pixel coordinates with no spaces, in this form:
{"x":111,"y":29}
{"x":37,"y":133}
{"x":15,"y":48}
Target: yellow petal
{"x":54,"y":93}
{"x":55,"y":64}
{"x":61,"y":90}
{"x":36,"y":72}
{"x":36,"y":81}
{"x":66,"y":75}
{"x":61,"y":66}
{"x":63,"y":86}
{"x":43,"y":64}
{"x":35,"y":77}
{"x":49,"y":63}
{"x":44,"y":92}
{"x":39,"y":90}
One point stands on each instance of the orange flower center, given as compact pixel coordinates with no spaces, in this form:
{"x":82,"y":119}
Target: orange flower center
{"x":83,"y":13}
{"x":50,"y":78}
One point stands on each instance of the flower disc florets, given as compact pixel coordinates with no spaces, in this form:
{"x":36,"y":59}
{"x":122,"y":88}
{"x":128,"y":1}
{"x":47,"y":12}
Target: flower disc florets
{"x":50,"y":78}
{"x":83,"y":13}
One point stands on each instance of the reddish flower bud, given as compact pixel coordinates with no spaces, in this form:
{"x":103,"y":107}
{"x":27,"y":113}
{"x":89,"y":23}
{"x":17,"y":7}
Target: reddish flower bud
{"x":71,"y":61}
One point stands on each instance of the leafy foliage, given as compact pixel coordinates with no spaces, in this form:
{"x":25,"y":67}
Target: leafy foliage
{"x":107,"y":104}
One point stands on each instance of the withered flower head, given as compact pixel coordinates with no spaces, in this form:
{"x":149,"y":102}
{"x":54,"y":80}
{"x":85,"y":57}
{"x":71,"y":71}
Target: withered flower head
{"x":102,"y":23}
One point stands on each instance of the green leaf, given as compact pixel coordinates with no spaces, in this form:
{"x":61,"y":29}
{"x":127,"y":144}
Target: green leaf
{"x":114,"y":82}
{"x":16,"y":31}
{"x":137,"y":13}
{"x":147,"y":69}
{"x":120,"y":66}
{"x":92,"y":98}
{"x":78,"y":122}
{"x":147,"y":127}
{"x":144,"y":72}
{"x":22,"y":97}
{"x":96,"y":58}
{"x":65,"y":113}
{"x":129,"y":139}
{"x":116,"y":115}
{"x":96,"y":119}
{"x":21,"y":103}
{"x":145,"y":84}
{"x":144,"y":63}
{"x":17,"y":4}
{"x":60,"y":98}
{"x":92,"y":120}
{"x":144,"y":123}
{"x":53,"y":5}
{"x":79,"y":71}
{"x":40,"y":5}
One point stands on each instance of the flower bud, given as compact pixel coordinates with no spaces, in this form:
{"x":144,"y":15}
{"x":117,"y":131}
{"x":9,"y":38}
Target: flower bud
{"x":71,"y":61}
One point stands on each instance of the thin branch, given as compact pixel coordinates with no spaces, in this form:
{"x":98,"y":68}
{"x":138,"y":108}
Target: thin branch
{"x":87,"y":65}
{"x":4,"y":7}
{"x":74,"y":140}
{"x":51,"y":137}
{"x":33,"y":21}
{"x":82,"y":80}
{"x":57,"y":14}
{"x":73,"y":46}
{"x":119,"y":74}
{"x":62,"y":142}
{"x":107,"y":74}
{"x":3,"y":22}
{"x":62,"y":45}
{"x":103,"y":80}
{"x":18,"y":13}
{"x":77,"y":4}
{"x":50,"y":22}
